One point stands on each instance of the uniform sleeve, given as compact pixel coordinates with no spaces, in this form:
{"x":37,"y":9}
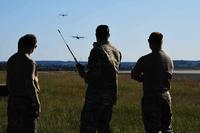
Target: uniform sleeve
{"x":94,"y":64}
{"x":137,"y":71}
{"x":36,"y":80}
{"x":31,"y":88}
{"x":170,"y":70}
{"x":29,"y":71}
{"x":118,"y":58}
{"x":169,"y":67}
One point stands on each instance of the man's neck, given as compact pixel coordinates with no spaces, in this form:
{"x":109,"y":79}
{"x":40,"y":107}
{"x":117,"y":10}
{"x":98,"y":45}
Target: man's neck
{"x":23,"y":52}
{"x":101,"y":42}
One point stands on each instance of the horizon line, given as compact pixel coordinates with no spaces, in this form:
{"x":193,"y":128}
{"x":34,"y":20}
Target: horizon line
{"x":87,"y":61}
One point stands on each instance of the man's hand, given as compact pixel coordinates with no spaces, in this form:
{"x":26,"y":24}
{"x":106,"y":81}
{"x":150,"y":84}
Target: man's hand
{"x":137,"y":76}
{"x":80,"y":67}
{"x":81,"y":70}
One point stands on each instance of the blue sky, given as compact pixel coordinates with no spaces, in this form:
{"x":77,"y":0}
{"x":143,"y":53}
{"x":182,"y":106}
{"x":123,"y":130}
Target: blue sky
{"x":130,"y":22}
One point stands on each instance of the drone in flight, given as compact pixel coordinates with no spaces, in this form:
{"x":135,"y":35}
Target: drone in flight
{"x":63,"y":15}
{"x":78,"y":37}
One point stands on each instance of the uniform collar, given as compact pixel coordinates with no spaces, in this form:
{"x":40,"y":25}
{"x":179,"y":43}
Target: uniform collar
{"x":99,"y":44}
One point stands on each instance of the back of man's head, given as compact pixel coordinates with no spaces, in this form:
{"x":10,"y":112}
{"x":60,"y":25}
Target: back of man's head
{"x":102,"y":32}
{"x":156,"y":37}
{"x":155,"y":40}
{"x":27,"y":42}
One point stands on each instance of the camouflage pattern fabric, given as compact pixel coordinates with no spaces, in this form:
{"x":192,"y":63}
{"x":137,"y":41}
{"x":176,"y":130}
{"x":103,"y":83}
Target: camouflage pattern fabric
{"x":101,"y":94}
{"x":157,"y":113}
{"x":96,"y":115}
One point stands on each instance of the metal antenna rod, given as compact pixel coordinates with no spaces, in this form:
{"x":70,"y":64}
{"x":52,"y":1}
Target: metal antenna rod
{"x":68,"y":47}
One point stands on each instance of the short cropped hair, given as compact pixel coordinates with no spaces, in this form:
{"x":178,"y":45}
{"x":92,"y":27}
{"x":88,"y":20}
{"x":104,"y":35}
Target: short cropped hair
{"x":156,"y":37}
{"x":102,"y":31}
{"x":27,"y":41}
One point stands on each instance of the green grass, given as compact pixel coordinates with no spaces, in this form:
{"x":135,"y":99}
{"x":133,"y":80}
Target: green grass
{"x":62,"y":98}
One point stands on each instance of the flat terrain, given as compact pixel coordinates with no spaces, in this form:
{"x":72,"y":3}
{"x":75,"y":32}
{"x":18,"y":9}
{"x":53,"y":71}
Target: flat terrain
{"x":179,"y":74}
{"x":62,"y":97}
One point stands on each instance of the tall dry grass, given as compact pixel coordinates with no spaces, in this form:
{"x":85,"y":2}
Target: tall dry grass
{"x":62,"y":97}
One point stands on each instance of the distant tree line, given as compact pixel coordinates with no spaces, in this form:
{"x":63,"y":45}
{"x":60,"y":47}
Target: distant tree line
{"x":56,"y":68}
{"x":125,"y":66}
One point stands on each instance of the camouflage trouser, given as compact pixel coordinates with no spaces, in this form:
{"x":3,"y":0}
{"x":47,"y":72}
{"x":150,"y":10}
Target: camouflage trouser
{"x":97,"y":111}
{"x":157,"y":113}
{"x":21,"y":118}
{"x":96,"y":117}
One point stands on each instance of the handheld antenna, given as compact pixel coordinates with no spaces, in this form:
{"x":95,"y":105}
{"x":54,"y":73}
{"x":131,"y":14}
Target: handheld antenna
{"x":68,"y":47}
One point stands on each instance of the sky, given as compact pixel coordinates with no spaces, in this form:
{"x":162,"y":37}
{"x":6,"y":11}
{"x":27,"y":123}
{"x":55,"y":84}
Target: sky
{"x":130,"y":23}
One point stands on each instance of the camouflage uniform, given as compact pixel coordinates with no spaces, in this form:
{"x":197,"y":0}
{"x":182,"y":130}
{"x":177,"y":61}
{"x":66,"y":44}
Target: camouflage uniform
{"x":22,"y":83}
{"x":102,"y":79}
{"x":156,"y":69}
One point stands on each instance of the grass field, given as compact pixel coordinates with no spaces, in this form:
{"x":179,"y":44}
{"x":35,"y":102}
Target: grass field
{"x":62,"y":97}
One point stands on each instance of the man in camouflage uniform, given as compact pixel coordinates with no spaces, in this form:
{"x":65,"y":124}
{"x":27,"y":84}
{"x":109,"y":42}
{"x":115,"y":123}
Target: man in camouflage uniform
{"x":102,"y":79}
{"x":23,"y":103}
{"x":155,"y":71}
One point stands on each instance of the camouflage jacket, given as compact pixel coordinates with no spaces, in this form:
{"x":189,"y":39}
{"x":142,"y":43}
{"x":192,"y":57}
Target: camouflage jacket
{"x":103,"y":66}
